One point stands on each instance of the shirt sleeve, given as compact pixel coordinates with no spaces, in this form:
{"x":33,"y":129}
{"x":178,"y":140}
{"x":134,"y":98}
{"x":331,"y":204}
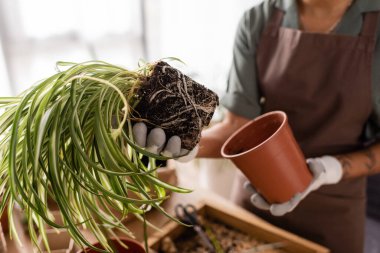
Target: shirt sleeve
{"x":242,"y":95}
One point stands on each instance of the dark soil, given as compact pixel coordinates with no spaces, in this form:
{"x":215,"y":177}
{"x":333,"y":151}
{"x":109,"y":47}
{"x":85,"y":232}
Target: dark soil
{"x":176,"y":103}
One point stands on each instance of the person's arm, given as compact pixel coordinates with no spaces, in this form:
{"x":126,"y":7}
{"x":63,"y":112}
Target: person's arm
{"x":214,"y":137}
{"x":364,"y":162}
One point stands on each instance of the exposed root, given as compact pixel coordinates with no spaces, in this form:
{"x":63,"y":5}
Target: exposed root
{"x":177,"y":103}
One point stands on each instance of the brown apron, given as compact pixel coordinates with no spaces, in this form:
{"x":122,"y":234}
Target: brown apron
{"x":323,"y":83}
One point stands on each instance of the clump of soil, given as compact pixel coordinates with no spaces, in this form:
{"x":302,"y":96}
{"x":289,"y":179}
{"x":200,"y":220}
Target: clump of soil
{"x":230,"y":240}
{"x":176,"y":103}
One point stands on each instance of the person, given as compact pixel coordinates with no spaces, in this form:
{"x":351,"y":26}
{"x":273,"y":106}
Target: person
{"x":318,"y":61}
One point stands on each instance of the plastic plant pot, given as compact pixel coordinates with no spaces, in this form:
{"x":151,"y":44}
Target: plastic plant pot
{"x":133,"y":247}
{"x":4,"y":221}
{"x":267,"y":153}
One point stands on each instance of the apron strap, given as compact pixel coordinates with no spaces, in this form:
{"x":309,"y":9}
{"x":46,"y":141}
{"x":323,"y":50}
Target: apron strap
{"x":369,"y":30}
{"x":274,"y":22}
{"x":371,"y":20}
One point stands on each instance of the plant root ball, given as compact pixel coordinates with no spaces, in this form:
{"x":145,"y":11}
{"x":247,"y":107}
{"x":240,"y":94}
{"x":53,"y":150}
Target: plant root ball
{"x":176,"y":103}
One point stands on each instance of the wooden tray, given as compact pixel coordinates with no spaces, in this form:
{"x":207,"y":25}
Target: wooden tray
{"x":244,"y":221}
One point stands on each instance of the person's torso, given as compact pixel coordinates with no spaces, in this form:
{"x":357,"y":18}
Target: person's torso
{"x":322,"y":81}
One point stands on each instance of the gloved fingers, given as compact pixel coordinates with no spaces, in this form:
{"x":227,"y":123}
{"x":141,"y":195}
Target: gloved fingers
{"x":319,"y":173}
{"x":333,"y":167}
{"x":190,"y":155}
{"x":326,"y":169}
{"x":249,"y":187}
{"x":283,"y":208}
{"x":156,"y":140}
{"x":139,"y":131}
{"x":315,"y":184}
{"x":258,"y":201}
{"x":184,"y":152}
{"x":316,"y":167}
{"x":173,"y":147}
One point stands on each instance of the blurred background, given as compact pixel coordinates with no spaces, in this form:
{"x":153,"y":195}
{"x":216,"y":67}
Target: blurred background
{"x":34,"y":35}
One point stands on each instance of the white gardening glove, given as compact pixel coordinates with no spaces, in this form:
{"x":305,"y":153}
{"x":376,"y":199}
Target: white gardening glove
{"x":155,"y":142}
{"x":325,"y":169}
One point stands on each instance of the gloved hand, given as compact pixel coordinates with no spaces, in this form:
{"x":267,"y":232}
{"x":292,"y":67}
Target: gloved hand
{"x":155,"y":142}
{"x":325,"y":169}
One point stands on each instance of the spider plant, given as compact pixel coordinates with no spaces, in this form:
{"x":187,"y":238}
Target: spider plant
{"x":68,"y":140}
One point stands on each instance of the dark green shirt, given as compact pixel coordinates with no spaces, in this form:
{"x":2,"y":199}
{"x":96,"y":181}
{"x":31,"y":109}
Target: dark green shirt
{"x":243,"y":97}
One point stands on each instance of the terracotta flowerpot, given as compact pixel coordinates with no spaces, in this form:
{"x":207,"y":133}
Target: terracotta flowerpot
{"x":265,"y":150}
{"x":133,"y":247}
{"x":4,"y":221}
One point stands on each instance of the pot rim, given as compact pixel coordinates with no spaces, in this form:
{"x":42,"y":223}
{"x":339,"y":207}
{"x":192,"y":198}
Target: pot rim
{"x":242,"y":128}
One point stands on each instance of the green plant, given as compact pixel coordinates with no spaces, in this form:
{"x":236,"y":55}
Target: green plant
{"x":68,"y":140}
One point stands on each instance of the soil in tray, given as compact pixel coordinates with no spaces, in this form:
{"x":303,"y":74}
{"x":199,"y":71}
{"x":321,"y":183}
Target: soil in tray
{"x":230,"y":240}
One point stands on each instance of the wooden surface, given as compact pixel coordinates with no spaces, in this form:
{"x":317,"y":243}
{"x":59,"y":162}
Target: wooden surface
{"x":235,"y":216}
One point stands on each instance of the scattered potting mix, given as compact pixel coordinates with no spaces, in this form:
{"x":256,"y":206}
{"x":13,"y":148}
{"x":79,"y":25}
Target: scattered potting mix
{"x":225,"y":239}
{"x":67,"y":142}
